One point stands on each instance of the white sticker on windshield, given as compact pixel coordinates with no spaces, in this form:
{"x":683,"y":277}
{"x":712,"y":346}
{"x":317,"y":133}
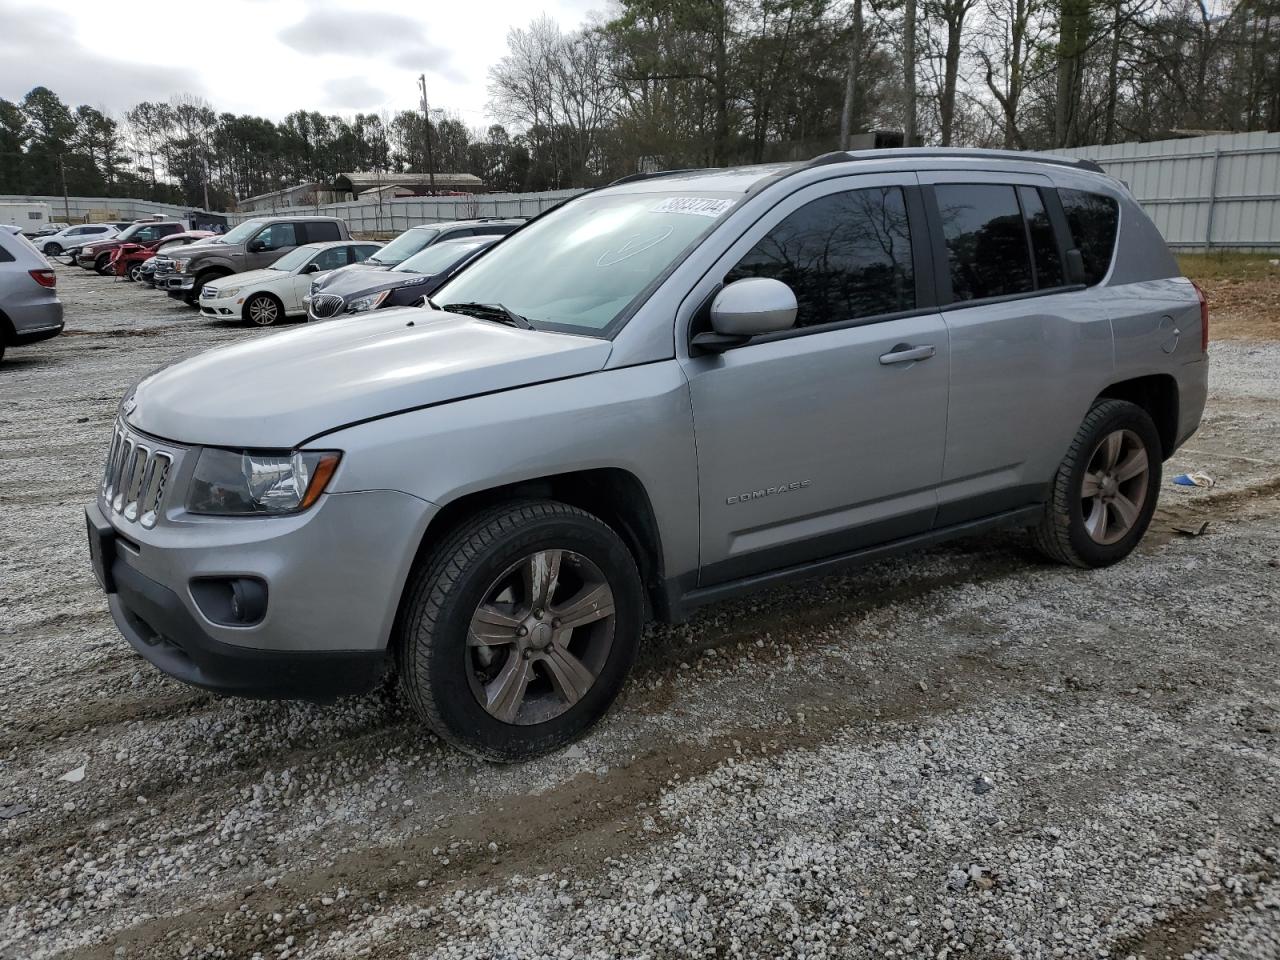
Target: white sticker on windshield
{"x":698,"y":206}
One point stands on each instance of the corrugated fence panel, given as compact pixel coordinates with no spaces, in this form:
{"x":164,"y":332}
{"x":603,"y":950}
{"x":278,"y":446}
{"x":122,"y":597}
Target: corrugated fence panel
{"x":393,"y":216}
{"x":1220,"y":191}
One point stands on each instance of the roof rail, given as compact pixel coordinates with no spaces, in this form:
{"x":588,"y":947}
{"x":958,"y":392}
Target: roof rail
{"x":632,"y":178}
{"x":944,"y":153}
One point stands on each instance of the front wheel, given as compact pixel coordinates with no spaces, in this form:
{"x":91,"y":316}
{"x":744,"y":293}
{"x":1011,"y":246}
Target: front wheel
{"x":517,"y":633}
{"x":53,"y":250}
{"x":262,"y":310}
{"x":1105,"y":490}
{"x":103,"y":265}
{"x":134,"y":272}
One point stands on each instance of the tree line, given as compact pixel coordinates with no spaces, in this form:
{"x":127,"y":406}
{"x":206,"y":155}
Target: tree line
{"x":682,"y":83}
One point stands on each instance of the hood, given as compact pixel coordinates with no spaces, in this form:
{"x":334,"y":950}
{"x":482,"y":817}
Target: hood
{"x":351,"y":269}
{"x":350,"y":284}
{"x":201,"y":247}
{"x":247,"y":278}
{"x":277,"y":391}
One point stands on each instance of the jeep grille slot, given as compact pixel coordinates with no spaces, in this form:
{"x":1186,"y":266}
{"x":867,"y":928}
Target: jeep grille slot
{"x":134,"y":480}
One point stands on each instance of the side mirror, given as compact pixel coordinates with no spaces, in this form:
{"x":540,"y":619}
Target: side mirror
{"x":748,"y":308}
{"x":1075,"y":267}
{"x":257,"y":246}
{"x":312,"y":267}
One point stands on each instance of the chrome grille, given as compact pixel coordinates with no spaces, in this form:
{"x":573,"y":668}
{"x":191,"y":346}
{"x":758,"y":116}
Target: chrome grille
{"x":133,"y":483}
{"x":208,"y":293}
{"x":325,"y":305}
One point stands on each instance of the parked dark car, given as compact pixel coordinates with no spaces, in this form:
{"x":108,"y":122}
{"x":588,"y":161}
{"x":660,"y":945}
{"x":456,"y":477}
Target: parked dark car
{"x":97,"y":256}
{"x":418,"y":238}
{"x":127,"y":260}
{"x":355,"y":291}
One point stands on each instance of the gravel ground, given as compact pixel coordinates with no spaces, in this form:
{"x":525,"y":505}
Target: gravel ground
{"x":962,"y":753}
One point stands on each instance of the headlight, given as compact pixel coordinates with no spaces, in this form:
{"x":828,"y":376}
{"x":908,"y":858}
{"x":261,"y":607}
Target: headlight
{"x":370,"y":302}
{"x":181,"y":265}
{"x":252,"y":483}
{"x":222,"y":294}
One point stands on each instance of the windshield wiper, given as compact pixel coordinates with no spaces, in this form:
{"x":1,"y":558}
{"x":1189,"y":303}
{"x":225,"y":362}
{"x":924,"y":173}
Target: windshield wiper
{"x":490,"y":311}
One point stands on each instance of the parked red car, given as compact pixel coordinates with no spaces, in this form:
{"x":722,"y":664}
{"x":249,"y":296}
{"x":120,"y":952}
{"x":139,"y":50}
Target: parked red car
{"x":127,"y":259}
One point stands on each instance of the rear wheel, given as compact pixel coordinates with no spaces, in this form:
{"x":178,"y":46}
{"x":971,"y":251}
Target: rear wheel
{"x":53,"y":249}
{"x":1105,"y":490}
{"x":517,"y":633}
{"x":263,"y":310}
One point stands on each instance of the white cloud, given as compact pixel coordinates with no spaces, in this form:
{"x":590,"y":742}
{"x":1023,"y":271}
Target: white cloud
{"x":353,"y":93}
{"x":269,"y":57}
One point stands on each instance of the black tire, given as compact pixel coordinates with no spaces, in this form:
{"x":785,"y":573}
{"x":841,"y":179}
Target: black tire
{"x":192,"y":297}
{"x":1064,"y":534}
{"x":133,"y":273}
{"x":53,"y":250}
{"x":101,"y":265}
{"x":436,"y":662}
{"x":262,"y":310}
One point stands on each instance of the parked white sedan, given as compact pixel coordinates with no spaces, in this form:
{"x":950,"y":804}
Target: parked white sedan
{"x":264,"y":297}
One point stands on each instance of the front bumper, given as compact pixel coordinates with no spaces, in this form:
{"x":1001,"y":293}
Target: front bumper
{"x":332,"y":589}
{"x":177,"y":285}
{"x":221,"y":308}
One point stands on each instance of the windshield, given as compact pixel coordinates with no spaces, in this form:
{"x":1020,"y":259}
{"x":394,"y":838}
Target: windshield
{"x":441,"y":256}
{"x":404,"y":246}
{"x":580,"y":267}
{"x":295,"y":258}
{"x":241,"y":233}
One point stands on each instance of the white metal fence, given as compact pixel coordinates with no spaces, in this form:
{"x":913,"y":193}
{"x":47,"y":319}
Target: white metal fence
{"x":1218,"y":192}
{"x":77,"y":208}
{"x":392,"y":216}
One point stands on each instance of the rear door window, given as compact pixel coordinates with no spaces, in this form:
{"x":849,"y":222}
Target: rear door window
{"x":322,"y":230}
{"x":986,"y":241}
{"x":846,"y":256}
{"x":1045,"y":254}
{"x":1092,"y":219}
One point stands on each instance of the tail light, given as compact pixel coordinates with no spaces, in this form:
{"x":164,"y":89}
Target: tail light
{"x":1204,"y":318}
{"x":46,"y":278}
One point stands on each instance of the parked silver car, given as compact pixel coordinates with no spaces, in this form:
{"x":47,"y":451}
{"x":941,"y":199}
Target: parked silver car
{"x":679,"y":388}
{"x":30,"y":310}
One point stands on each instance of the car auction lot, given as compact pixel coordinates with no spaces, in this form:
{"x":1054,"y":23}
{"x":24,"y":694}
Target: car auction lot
{"x":964,"y":752}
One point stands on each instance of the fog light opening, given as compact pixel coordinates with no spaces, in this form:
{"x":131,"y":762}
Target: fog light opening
{"x":231,"y":601}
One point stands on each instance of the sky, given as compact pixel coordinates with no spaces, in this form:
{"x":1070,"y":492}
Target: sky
{"x":267,"y":57}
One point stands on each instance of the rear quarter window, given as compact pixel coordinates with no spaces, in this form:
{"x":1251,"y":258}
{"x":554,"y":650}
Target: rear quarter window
{"x":1093,"y":220}
{"x":322,"y":230}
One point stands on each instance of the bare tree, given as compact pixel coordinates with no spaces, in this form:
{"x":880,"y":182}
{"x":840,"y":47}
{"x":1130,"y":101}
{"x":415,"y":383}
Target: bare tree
{"x":851,"y":73}
{"x":909,"y":125}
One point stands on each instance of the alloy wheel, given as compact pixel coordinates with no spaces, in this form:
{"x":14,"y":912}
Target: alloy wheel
{"x":263,"y":311}
{"x":540,"y":637}
{"x":1114,"y":487}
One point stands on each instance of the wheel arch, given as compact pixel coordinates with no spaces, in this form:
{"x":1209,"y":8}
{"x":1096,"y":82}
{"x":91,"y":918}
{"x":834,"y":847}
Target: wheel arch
{"x":244,"y":309}
{"x":212,"y":272}
{"x":1157,"y":394}
{"x":614,"y":495}
{"x":7,"y":332}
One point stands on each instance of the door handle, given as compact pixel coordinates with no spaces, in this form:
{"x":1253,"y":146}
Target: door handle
{"x":905,"y":353}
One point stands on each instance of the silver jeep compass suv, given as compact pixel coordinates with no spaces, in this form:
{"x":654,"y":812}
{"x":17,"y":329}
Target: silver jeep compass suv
{"x":679,"y":388}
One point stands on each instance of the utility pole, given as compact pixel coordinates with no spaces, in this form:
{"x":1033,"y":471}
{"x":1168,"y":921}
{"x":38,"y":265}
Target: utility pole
{"x":66,"y":200}
{"x":426,"y":121}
